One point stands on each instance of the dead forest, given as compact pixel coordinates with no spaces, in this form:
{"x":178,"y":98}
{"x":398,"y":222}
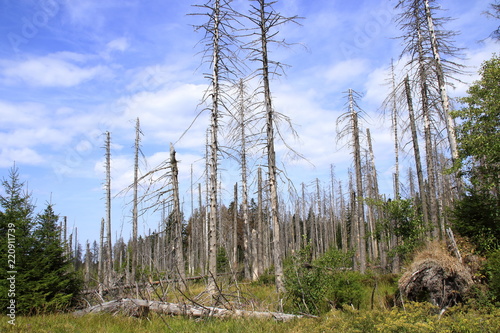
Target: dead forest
{"x":270,"y":218}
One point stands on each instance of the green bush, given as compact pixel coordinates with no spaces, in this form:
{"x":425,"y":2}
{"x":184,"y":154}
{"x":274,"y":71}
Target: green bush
{"x":476,"y":216}
{"x":492,"y":272}
{"x":325,"y":283}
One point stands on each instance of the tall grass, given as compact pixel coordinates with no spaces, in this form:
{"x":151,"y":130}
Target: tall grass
{"x":106,"y":323}
{"x":414,"y":317}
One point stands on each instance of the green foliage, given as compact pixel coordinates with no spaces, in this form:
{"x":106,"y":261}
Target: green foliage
{"x":268,"y":277}
{"x":44,"y":278}
{"x":222,"y":260}
{"x":492,"y":270}
{"x":476,"y":216}
{"x":479,"y":132}
{"x":325,"y":283}
{"x":54,"y":282}
{"x":414,"y":317}
{"x":402,"y":219}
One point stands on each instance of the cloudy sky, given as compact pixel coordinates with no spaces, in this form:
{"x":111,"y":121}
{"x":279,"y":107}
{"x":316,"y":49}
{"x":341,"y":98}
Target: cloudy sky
{"x":71,"y":70}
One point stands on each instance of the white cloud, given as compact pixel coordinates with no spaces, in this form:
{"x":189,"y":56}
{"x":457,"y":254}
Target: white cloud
{"x":346,"y":71}
{"x":54,"y":70}
{"x":21,"y":155}
{"x":20,"y":114}
{"x":119,"y":44}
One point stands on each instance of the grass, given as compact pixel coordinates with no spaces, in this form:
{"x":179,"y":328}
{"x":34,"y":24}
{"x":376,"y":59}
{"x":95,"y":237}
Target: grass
{"x":105,"y":323}
{"x":415,"y":317}
{"x":377,"y":313}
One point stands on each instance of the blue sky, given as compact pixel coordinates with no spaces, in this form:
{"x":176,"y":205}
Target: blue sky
{"x":70,"y":70}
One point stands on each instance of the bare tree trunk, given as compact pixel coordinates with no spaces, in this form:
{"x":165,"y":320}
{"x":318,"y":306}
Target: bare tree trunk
{"x":100,"y":268}
{"x":373,"y":188}
{"x":394,"y":118}
{"x":450,"y":124}
{"x":203,"y":239}
{"x":359,"y":185}
{"x":177,"y":220}
{"x":235,"y":230}
{"x":304,"y":216}
{"x":333,"y":215}
{"x":429,"y":155}
{"x":424,"y":93}
{"x":265,"y":20}
{"x":109,"y":244}
{"x":135,"y":200}
{"x":260,"y":225}
{"x":272,"y":173}
{"x":416,"y":153}
{"x":343,"y":221}
{"x":87,"y":263}
{"x":247,"y":244}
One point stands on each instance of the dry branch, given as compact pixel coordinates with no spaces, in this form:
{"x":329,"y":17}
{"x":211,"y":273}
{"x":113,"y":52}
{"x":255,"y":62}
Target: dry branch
{"x":140,"y":308}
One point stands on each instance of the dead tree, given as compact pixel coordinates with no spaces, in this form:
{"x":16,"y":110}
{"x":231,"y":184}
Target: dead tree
{"x":243,"y":119}
{"x":219,"y":54}
{"x":135,"y":214}
{"x":177,"y":217}
{"x":107,"y":187}
{"x":350,"y":122}
{"x":266,"y":21}
{"x":416,"y":152}
{"x":426,"y":44}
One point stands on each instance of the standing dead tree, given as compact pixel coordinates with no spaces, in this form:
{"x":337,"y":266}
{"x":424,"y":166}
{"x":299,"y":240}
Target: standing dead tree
{"x":107,"y":187}
{"x":431,"y":52}
{"x":350,"y":122}
{"x":219,"y":46}
{"x":242,"y":138}
{"x":266,"y":22}
{"x":135,"y":215}
{"x":177,"y":219}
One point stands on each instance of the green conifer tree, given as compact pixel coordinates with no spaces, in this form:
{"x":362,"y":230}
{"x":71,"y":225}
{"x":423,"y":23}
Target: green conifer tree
{"x":31,"y":254}
{"x":55,"y":282}
{"x":16,"y":243}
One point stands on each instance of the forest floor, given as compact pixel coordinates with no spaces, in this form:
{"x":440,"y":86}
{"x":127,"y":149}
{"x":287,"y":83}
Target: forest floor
{"x":371,"y":317}
{"x":417,"y":317}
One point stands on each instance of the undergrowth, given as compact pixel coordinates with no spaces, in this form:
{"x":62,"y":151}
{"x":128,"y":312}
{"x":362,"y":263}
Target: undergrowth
{"x":413,"y":317}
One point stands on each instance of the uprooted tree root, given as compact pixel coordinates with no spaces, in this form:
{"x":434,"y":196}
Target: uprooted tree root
{"x":436,"y":277}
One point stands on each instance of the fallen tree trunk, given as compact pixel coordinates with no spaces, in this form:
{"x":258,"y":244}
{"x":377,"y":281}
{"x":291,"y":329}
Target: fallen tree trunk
{"x":141,"y":308}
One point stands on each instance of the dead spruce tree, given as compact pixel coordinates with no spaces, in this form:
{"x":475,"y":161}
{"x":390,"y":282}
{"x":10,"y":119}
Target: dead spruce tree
{"x":265,"y":23}
{"x":107,"y":187}
{"x":416,"y":150}
{"x":431,"y":62}
{"x":177,"y":219}
{"x":219,"y":45}
{"x":242,"y":138}
{"x":390,"y":106}
{"x":135,"y":214}
{"x":350,"y":127}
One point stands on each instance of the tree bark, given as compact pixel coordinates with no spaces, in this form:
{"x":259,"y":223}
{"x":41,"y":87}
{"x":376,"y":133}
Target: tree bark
{"x":416,"y":153}
{"x":109,"y":245}
{"x":177,"y":220}
{"x":140,"y":308}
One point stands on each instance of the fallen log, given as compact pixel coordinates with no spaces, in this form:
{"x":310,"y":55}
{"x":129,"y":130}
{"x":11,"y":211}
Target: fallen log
{"x":141,"y":308}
